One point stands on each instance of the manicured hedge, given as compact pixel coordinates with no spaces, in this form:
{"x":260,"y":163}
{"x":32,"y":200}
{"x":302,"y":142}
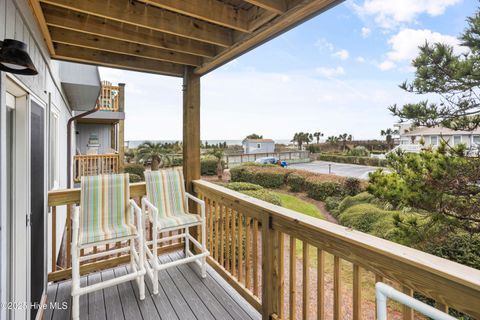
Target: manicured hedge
{"x":264,"y":195}
{"x":267,"y":177}
{"x":136,"y":169}
{"x":374,"y":162}
{"x":243,"y":186}
{"x":296,"y":182}
{"x":320,"y":190}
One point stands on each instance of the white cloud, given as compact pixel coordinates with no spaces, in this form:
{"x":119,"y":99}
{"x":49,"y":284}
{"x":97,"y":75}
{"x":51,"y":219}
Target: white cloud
{"x":330,"y":72}
{"x":404,"y":46}
{"x":391,"y":13}
{"x":324,"y":45}
{"x":366,"y":32}
{"x":360,"y":59}
{"x":341,"y":54}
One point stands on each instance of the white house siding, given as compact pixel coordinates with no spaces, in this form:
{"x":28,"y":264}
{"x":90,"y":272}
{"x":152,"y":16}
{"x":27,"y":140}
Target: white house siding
{"x":253,"y":148}
{"x":17,"y":22}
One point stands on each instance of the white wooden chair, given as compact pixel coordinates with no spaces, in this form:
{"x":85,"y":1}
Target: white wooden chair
{"x":106,"y":215}
{"x":166,"y":206}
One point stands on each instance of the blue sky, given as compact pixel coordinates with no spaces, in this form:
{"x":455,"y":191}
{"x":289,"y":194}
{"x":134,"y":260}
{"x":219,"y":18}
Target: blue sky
{"x":335,"y":73}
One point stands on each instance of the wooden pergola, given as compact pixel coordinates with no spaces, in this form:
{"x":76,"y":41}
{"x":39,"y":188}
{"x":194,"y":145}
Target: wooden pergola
{"x":180,"y":38}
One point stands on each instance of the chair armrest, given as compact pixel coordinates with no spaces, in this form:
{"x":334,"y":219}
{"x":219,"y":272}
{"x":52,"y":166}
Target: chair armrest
{"x":135,"y":209}
{"x":199,"y":201}
{"x":147,"y":204}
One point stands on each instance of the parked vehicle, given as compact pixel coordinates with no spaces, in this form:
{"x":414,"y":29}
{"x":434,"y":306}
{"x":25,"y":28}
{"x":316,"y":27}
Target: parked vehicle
{"x":271,"y":160}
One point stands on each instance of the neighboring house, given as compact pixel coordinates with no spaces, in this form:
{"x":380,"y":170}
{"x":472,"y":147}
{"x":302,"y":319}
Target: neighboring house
{"x":100,"y":135}
{"x":34,"y":112}
{"x":410,"y":138}
{"x":253,"y":146}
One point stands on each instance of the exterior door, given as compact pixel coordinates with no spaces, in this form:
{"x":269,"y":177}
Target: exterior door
{"x":37,"y":204}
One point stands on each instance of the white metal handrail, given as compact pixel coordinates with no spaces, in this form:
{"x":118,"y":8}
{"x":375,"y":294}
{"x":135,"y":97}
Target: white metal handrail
{"x":384,"y":291}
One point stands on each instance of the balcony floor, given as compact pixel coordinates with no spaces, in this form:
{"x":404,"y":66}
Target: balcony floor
{"x":183,"y":295}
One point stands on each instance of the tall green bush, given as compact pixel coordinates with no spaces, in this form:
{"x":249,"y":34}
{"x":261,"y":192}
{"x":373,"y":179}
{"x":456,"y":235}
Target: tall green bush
{"x":320,"y":190}
{"x":136,"y":169}
{"x":296,"y":182}
{"x":208,"y":167}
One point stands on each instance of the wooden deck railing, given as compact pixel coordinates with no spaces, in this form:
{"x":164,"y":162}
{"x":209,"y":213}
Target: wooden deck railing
{"x":108,"y":100}
{"x":303,"y":261}
{"x":289,"y":265}
{"x":90,"y":165}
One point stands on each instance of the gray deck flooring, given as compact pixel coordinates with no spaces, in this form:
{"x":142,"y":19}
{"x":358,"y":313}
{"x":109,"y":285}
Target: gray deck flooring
{"x":183,"y":295}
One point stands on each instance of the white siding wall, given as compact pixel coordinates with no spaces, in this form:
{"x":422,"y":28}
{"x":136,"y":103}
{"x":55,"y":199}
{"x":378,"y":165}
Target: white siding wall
{"x":17,"y":22}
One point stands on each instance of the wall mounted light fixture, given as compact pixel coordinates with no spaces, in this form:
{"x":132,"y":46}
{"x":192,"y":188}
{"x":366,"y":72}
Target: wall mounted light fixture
{"x":14,"y":58}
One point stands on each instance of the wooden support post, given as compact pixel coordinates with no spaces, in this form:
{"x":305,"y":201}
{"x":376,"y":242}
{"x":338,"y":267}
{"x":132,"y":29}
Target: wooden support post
{"x":269,"y":269}
{"x":191,"y":127}
{"x":121,"y":128}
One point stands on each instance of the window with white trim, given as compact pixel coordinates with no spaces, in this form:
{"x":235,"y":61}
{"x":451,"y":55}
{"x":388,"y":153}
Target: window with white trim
{"x":259,"y":145}
{"x":476,"y":140}
{"x":434,"y":140}
{"x":457,"y":140}
{"x":53,"y":170}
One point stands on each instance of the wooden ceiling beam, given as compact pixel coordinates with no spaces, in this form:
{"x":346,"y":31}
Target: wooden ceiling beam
{"x":276,"y":6}
{"x":72,"y":20}
{"x":293,"y":17}
{"x":213,"y":11}
{"x":38,"y":13}
{"x":142,"y":15}
{"x":116,"y":60}
{"x":90,"y":41}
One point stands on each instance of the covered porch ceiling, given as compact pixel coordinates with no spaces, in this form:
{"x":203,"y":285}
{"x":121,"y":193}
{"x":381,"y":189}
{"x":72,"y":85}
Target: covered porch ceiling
{"x":165,"y":36}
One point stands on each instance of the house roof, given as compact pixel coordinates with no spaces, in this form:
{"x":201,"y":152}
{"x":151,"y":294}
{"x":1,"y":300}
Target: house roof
{"x":166,"y":36}
{"x":438,"y":130}
{"x":258,"y":140}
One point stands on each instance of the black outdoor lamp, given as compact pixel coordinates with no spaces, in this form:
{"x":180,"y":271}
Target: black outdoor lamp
{"x":14,"y":58}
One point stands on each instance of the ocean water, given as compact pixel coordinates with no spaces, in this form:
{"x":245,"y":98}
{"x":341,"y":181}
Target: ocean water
{"x":136,"y":143}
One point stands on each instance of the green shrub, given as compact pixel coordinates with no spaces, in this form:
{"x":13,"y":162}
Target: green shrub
{"x":243,"y":186}
{"x":265,"y":176}
{"x":367,"y":161}
{"x":296,"y":182}
{"x":135,"y":168}
{"x":313,"y":148}
{"x":349,"y":201}
{"x":132,"y":177}
{"x":208,"y":167}
{"x":264,"y":195}
{"x":352,"y":186}
{"x":359,"y":151}
{"x":457,"y":246}
{"x":320,"y":190}
{"x":332,"y":203}
{"x":369,"y":218}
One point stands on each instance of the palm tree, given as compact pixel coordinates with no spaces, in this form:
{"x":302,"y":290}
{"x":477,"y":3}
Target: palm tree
{"x":317,"y":135}
{"x":344,"y":138}
{"x":388,"y":134}
{"x":154,"y":152}
{"x":301,"y":137}
{"x":254,"y":136}
{"x":333,"y":140}
{"x":218,"y":153}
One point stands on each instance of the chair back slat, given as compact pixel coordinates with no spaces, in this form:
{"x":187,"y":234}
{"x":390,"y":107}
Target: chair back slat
{"x":166,"y":191}
{"x":104,"y":207}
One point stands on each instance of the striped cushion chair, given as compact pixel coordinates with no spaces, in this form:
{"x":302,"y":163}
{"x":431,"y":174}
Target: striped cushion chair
{"x":106,"y":215}
{"x":166,"y":206}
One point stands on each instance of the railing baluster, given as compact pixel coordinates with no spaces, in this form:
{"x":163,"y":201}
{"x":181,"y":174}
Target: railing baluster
{"x":240,"y":247}
{"x":234,"y":240}
{"x":54,"y":238}
{"x":69,"y":236}
{"x":216,"y":219}
{"x":222,"y":235}
{"x":281,"y":275}
{"x":210,"y":225}
{"x":255,"y":258}
{"x":357,"y":292}
{"x":293,"y":279}
{"x":407,"y":312}
{"x":320,"y":284}
{"x":247,"y":254}
{"x":227,"y":239}
{"x":305,"y":281}
{"x":337,"y":288}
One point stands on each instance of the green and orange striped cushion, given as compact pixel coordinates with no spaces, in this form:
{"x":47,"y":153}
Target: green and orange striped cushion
{"x":166,"y":191}
{"x":104,"y":208}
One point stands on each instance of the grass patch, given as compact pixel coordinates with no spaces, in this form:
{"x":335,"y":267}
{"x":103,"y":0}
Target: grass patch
{"x":299,"y":205}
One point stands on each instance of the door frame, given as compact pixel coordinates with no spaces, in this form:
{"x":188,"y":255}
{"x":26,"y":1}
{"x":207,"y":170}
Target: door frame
{"x":22,"y":180}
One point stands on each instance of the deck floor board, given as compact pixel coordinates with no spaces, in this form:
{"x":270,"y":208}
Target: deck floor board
{"x":183,"y":294}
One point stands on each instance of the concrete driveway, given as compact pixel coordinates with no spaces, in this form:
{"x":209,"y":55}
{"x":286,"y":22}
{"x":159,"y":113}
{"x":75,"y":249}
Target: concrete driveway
{"x":341,"y":169}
